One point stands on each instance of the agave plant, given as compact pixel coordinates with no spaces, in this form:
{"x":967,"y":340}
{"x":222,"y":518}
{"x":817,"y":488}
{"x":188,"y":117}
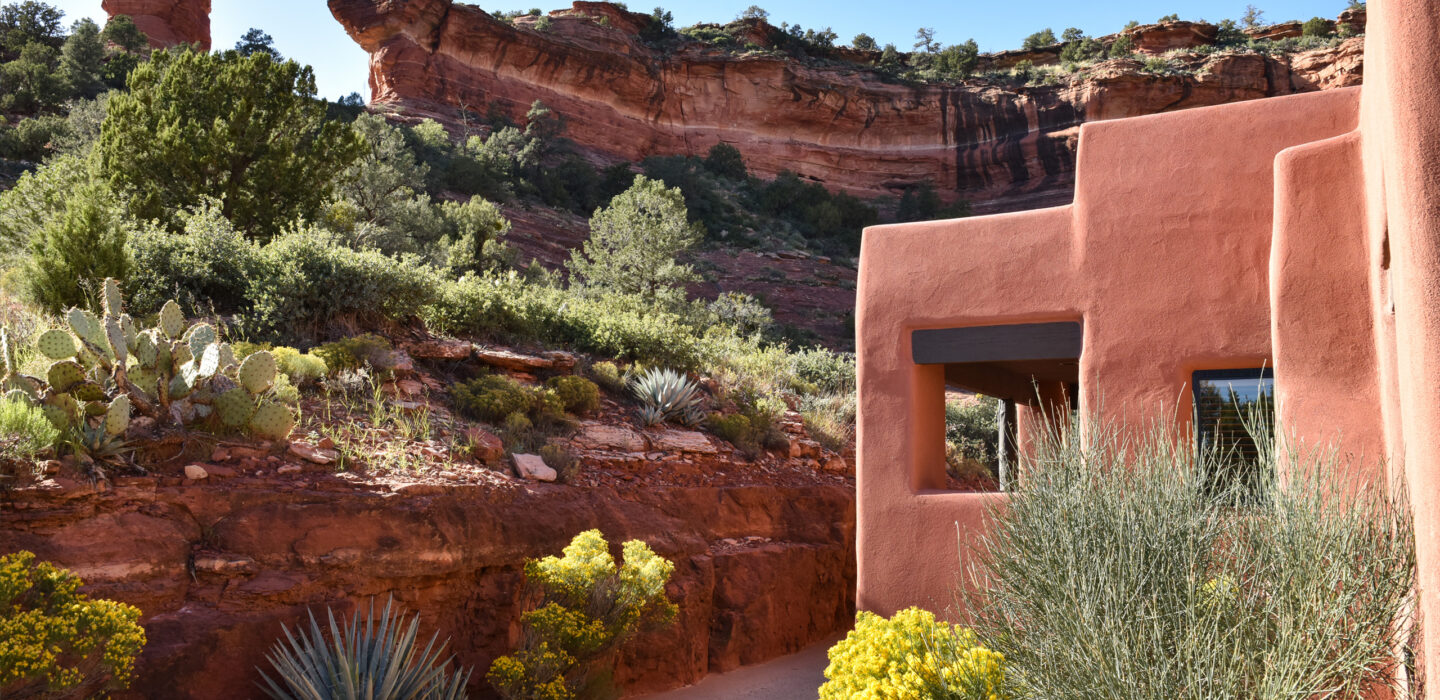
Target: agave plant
{"x":376,"y":660}
{"x":666,"y":395}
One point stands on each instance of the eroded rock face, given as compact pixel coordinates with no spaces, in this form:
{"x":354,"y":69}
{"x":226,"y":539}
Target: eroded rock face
{"x":217,"y":567}
{"x":167,"y":22}
{"x":834,"y":123}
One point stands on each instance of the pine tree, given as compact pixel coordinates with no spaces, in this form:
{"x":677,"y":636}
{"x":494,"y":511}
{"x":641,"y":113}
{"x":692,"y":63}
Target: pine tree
{"x":635,"y":242}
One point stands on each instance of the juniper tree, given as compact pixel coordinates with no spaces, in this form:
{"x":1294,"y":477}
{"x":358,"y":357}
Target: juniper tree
{"x":635,"y":242}
{"x":244,"y":130}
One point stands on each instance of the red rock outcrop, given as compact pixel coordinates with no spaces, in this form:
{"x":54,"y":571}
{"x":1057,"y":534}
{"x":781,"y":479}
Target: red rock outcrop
{"x":832,"y":122}
{"x":167,"y":22}
{"x":218,"y":566}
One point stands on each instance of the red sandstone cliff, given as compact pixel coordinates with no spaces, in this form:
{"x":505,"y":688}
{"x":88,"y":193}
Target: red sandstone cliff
{"x":167,"y":22}
{"x":834,"y":122}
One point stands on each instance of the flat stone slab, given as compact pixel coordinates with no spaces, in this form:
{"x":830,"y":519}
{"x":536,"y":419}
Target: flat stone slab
{"x":617,"y":438}
{"x":440,"y":349}
{"x":682,"y":441}
{"x":532,"y":467}
{"x":506,"y":359}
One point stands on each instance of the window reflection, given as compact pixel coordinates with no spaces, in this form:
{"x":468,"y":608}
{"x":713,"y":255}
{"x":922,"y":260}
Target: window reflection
{"x":1225,"y":402}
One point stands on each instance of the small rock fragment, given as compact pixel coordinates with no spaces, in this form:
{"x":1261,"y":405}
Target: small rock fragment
{"x":195,"y":472}
{"x":311,"y":453}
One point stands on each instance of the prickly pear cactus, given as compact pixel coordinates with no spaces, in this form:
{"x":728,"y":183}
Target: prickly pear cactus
{"x":117,"y":416}
{"x":65,"y":375}
{"x":56,"y":344}
{"x":115,"y":337}
{"x":272,"y":421}
{"x":114,"y":305}
{"x":172,"y":320}
{"x":200,"y":336}
{"x":235,"y":408}
{"x":257,"y":374}
{"x":7,"y":351}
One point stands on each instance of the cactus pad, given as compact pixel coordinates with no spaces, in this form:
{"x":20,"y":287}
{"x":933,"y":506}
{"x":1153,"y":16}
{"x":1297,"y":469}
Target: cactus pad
{"x":272,"y":421}
{"x":56,"y":344}
{"x":90,"y":331}
{"x":20,"y":382}
{"x":144,"y":379}
{"x":145,"y":349}
{"x":115,"y":336}
{"x":199,"y":337}
{"x":17,"y":395}
{"x":65,"y":374}
{"x":87,"y":391}
{"x":257,"y":373}
{"x":179,"y":387}
{"x":235,"y":407}
{"x":7,"y":350}
{"x":209,"y":360}
{"x":113,"y":303}
{"x":58,"y":417}
{"x":172,"y":319}
{"x":127,"y":325}
{"x":117,"y":416}
{"x":227,"y":357}
{"x":96,"y":408}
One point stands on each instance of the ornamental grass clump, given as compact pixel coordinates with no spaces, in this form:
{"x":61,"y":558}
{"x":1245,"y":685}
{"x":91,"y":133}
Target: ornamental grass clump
{"x":378,"y":659}
{"x":912,"y":655}
{"x":56,"y":641}
{"x":1118,"y":570}
{"x":588,"y":608}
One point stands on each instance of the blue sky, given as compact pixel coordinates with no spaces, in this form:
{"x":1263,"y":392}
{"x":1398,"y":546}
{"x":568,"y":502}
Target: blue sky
{"x":306,"y":31}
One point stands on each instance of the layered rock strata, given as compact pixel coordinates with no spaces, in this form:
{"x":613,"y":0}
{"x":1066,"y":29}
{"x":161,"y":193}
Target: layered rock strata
{"x":219,"y":565}
{"x":834,"y":122}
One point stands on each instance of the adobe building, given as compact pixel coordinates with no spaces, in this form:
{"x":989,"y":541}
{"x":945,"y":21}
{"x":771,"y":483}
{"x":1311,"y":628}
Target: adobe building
{"x":1296,"y":235}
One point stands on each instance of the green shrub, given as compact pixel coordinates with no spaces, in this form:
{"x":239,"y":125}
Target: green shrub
{"x":161,"y":149}
{"x":39,"y":197}
{"x":589,"y":607}
{"x":971,"y":430}
{"x":58,"y":641}
{"x":1124,"y":45}
{"x":301,"y":367}
{"x":77,"y":250}
{"x":1120,"y":573}
{"x":1317,"y":26}
{"x":32,"y":139}
{"x":207,"y":267}
{"x":378,"y":659}
{"x":725,"y":160}
{"x":635,"y":243}
{"x":578,"y":395}
{"x":353,"y":353}
{"x":507,"y":308}
{"x":912,"y":655}
{"x":562,"y":460}
{"x":830,"y":419}
{"x":492,"y":398}
{"x":25,"y":433}
{"x":735,"y":429}
{"x":608,"y":375}
{"x":307,"y":286}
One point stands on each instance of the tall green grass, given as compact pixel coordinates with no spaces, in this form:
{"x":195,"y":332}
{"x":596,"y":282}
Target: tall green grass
{"x":1116,"y":571}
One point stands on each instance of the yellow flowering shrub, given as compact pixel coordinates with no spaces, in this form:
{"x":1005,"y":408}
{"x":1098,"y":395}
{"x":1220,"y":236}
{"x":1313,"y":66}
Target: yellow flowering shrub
{"x":589,"y":607}
{"x":911,"y":656}
{"x":53,"y":638}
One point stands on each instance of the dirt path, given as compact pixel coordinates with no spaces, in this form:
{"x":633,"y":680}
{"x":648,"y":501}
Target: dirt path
{"x":794,"y":677}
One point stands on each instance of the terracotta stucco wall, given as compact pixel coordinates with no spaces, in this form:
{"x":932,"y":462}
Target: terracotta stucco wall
{"x":1164,"y":256}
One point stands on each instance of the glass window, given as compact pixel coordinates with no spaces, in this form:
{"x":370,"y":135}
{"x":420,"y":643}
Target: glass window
{"x":1225,"y":401}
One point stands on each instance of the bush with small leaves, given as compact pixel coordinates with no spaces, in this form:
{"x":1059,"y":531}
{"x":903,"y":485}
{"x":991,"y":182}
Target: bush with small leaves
{"x":589,"y":607}
{"x":609,"y":376}
{"x":365,"y":350}
{"x":578,"y":394}
{"x":912,"y":655}
{"x":25,"y":434}
{"x":56,"y":641}
{"x":492,"y":398}
{"x":563,"y":460}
